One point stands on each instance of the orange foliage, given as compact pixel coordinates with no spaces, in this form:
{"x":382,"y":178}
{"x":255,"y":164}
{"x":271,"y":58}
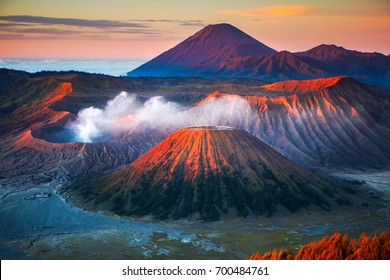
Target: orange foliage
{"x":283,"y":254}
{"x":336,"y":247}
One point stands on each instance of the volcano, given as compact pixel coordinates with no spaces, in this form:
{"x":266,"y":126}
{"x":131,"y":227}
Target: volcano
{"x":333,"y":123}
{"x":330,"y":123}
{"x":204,"y":50}
{"x":209,"y":173}
{"x":223,"y":51}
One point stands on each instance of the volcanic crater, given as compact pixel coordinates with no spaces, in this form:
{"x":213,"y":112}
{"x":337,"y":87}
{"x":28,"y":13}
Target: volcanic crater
{"x":209,"y":173}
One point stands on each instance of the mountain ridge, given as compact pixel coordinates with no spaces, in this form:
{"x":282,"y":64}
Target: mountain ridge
{"x":224,"y":51}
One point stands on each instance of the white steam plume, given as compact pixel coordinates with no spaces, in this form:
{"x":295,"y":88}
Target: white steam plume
{"x":125,"y":114}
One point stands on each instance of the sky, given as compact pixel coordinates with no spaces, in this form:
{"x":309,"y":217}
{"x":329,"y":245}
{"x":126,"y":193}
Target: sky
{"x":124,"y":30}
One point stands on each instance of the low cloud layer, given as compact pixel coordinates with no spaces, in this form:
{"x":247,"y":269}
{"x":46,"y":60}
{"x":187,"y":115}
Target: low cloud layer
{"x":102,"y":24}
{"x":126,"y":114}
{"x":71,"y":22}
{"x":113,"y":68}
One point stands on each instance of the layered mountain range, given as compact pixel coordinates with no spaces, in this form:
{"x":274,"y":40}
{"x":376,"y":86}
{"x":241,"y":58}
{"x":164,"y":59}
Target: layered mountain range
{"x":222,"y":50}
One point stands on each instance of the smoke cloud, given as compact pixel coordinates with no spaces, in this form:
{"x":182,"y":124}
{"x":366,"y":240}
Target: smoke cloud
{"x":127,"y":114}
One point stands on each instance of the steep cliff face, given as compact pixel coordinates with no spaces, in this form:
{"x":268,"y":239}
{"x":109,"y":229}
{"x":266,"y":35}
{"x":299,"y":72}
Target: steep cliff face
{"x":209,"y":172}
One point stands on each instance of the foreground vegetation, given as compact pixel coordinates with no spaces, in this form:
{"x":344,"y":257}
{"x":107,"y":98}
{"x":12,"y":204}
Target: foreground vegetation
{"x":336,"y":247}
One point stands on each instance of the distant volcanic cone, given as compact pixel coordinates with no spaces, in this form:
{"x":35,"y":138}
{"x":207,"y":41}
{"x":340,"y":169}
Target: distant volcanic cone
{"x":206,"y":49}
{"x":208,"y":173}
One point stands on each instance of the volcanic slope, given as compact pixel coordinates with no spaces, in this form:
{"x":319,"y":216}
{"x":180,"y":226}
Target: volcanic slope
{"x":324,"y":123}
{"x":337,"y":122}
{"x":208,"y":173}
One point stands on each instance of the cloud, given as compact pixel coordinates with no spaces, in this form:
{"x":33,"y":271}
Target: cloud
{"x":122,"y":114}
{"x":45,"y":31}
{"x":44,"y":28}
{"x":126,"y":114}
{"x":16,"y":20}
{"x":192,"y":23}
{"x":22,"y":27}
{"x":179,"y":21}
{"x":100,"y":24}
{"x":136,"y":31}
{"x":276,"y":11}
{"x":2,"y":24}
{"x":189,"y":22}
{"x":64,"y":34}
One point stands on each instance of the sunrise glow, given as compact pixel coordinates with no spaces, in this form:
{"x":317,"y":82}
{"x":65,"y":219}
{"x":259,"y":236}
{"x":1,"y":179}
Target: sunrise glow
{"x":127,"y":30}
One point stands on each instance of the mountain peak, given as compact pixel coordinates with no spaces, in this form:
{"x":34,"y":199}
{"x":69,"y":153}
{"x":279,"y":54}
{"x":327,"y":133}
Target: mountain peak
{"x":207,"y":48}
{"x":326,"y":52}
{"x":329,"y":47}
{"x":219,"y":27}
{"x":224,"y":33}
{"x":217,"y":36}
